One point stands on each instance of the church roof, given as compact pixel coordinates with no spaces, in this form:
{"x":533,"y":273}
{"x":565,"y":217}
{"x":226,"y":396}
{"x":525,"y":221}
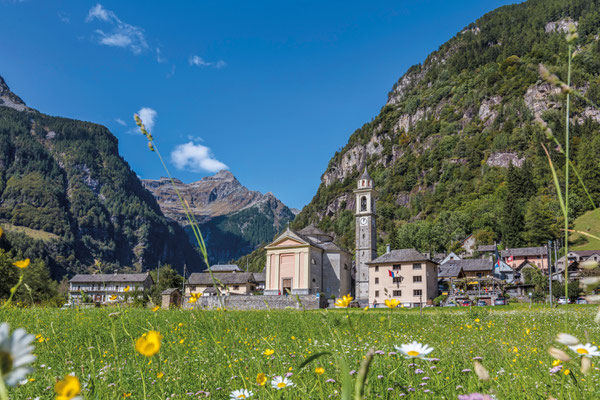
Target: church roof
{"x":365,"y":174}
{"x":303,"y":237}
{"x":312,"y":231}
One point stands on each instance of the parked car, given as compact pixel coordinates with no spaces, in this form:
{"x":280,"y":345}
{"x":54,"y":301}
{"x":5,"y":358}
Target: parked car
{"x":466,"y":303}
{"x":500,"y":302}
{"x":564,"y":300}
{"x":481,"y":303}
{"x":581,"y":300}
{"x":450,"y":304}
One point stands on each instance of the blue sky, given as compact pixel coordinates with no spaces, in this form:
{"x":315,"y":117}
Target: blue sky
{"x":268,"y":89}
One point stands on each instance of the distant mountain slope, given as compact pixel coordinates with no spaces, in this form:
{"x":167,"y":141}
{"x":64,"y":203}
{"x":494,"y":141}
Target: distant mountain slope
{"x":233,"y":219}
{"x":66,"y":178}
{"x":456,"y":150}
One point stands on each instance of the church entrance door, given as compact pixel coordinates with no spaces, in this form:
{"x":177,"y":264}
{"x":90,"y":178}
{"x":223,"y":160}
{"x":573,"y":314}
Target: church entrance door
{"x":286,"y":285}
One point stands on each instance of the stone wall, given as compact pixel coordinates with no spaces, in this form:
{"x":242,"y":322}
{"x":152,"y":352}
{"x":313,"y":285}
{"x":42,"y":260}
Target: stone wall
{"x":243,"y":302}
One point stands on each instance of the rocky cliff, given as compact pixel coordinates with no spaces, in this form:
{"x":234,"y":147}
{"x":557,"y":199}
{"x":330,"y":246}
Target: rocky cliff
{"x":452,"y":127}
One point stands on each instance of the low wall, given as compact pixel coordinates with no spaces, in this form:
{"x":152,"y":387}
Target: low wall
{"x":259,"y":302}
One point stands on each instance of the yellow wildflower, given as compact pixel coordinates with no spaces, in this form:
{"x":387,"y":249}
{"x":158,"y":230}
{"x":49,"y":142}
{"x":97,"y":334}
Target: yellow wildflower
{"x":126,"y":289}
{"x":68,"y":388}
{"x":160,"y":375}
{"x":392,"y":303}
{"x":156,"y":308}
{"x":194,"y":297}
{"x":319,"y":370}
{"x":149,"y":344}
{"x":344,"y":301}
{"x":567,"y":372}
{"x":113,"y":297}
{"x":268,"y":352}
{"x":22,"y":264}
{"x":261,"y":379}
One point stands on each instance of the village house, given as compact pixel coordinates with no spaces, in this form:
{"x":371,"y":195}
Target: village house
{"x":229,"y":283}
{"x":474,"y":267}
{"x":307,"y":262}
{"x":448,"y":275}
{"x":537,"y":256}
{"x":107,"y":288}
{"x":578,"y":256}
{"x":468,"y":245}
{"x":450,"y":257}
{"x":405,"y":275}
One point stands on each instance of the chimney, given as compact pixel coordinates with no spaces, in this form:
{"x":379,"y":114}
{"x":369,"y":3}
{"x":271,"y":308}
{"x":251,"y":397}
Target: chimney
{"x":387,"y":248}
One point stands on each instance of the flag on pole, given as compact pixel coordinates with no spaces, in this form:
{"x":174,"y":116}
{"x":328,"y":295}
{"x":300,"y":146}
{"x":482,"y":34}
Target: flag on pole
{"x":497,"y":256}
{"x":510,"y":258}
{"x":391,"y":273}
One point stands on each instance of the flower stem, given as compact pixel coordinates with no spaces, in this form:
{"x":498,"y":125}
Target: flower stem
{"x":567,"y":180}
{"x":3,"y":390}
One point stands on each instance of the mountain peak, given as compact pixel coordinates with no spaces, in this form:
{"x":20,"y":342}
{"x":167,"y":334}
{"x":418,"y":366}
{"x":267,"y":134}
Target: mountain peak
{"x":9,"y":99}
{"x":223,"y":175}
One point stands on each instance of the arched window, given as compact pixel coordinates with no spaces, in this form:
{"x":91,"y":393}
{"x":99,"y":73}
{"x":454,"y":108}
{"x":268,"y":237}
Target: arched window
{"x":363,"y":203}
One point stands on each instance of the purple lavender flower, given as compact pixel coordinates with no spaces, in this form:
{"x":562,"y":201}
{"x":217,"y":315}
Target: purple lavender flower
{"x":419,"y":371}
{"x":288,"y":374}
{"x":330,"y":381}
{"x":423,"y":384}
{"x":380,"y":352}
{"x":554,"y":370}
{"x":379,"y":376}
{"x":425,"y":378}
{"x":411,"y":389}
{"x":352,"y":372}
{"x":466,"y":370}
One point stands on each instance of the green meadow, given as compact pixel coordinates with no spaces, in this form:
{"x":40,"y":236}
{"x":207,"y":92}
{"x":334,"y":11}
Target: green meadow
{"x":212,"y":353}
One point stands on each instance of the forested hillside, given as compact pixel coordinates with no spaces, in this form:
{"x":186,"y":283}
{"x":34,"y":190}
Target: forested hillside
{"x":67,"y":197}
{"x":456,"y":150}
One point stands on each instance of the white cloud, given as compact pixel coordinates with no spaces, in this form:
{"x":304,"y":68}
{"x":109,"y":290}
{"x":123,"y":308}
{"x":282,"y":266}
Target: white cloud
{"x":195,"y":157}
{"x":148,"y":117}
{"x":64,"y":17}
{"x":120,"y":121}
{"x":121,"y":34}
{"x":159,"y":56}
{"x":200,"y":62}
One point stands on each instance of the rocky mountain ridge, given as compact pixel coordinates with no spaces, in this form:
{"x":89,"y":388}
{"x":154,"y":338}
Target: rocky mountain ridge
{"x":233,"y":219}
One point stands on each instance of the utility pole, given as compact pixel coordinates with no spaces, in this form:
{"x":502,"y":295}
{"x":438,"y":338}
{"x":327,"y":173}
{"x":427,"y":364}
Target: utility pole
{"x":549,"y":251}
{"x":158,"y":275}
{"x":183,"y":284}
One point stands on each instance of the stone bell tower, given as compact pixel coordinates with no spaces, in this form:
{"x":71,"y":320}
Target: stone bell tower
{"x":366,"y":234}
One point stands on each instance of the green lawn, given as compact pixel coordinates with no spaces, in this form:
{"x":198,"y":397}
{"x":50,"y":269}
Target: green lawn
{"x":589,"y":223}
{"x":221,"y":351}
{"x":32,"y":233}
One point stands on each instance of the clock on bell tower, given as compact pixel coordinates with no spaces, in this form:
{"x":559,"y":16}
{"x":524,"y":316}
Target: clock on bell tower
{"x":366,"y":234}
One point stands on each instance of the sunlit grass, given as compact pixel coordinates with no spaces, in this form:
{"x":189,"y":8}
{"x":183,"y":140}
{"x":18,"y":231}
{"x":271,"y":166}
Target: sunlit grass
{"x":222,"y":351}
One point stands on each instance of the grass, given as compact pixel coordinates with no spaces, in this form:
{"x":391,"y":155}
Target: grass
{"x":589,"y":223}
{"x":32,"y":233}
{"x":221,"y":351}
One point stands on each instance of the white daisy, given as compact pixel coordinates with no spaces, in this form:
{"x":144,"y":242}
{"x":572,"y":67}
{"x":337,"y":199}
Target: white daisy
{"x":279,"y":383}
{"x":241,"y":394}
{"x":585,"y":350}
{"x":15,"y":354}
{"x":414,"y":350}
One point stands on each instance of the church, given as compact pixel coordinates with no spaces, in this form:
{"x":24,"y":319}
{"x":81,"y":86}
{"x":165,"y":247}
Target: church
{"x":309,"y":262}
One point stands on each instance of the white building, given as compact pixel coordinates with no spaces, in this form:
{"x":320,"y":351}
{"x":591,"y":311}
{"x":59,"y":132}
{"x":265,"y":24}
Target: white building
{"x":102,"y":287}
